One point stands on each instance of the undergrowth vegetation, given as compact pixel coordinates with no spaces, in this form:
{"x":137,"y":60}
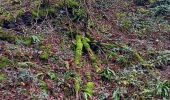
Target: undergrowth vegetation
{"x":85,"y":49}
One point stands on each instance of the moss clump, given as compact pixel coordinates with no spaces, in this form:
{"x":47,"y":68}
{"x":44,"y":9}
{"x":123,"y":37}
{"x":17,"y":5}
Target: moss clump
{"x":46,"y":52}
{"x":92,"y":56}
{"x":88,"y":75}
{"x":43,"y":86}
{"x":143,"y":11}
{"x":4,"y":61}
{"x":77,"y":81}
{"x":126,"y":23}
{"x":43,"y":12}
{"x":12,"y":38}
{"x":121,"y":14}
{"x":2,"y":77}
{"x":27,"y":41}
{"x":44,"y":56}
{"x":79,"y":47}
{"x":7,"y":36}
{"x":72,"y":3}
{"x":25,"y":64}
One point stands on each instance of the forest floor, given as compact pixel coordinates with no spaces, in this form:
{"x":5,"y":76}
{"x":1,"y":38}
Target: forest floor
{"x":40,"y":58}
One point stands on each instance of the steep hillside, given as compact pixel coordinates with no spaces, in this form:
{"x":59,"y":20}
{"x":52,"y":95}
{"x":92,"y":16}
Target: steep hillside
{"x":85,"y":49}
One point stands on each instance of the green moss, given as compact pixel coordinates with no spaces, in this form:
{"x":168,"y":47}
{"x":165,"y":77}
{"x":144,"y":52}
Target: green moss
{"x":10,"y":37}
{"x":43,"y":85}
{"x":79,"y":47}
{"x":37,"y":3}
{"x":89,"y":87}
{"x":45,"y":47}
{"x":4,"y":61}
{"x":46,"y":51}
{"x":143,"y":11}
{"x":126,"y":23}
{"x":52,"y":75}
{"x":79,"y":12}
{"x":72,"y":3}
{"x":77,"y":81}
{"x":2,"y":77}
{"x":137,"y":56}
{"x":88,"y":90}
{"x":92,"y":56}
{"x":7,"y":36}
{"x":25,"y":64}
{"x":43,"y":12}
{"x":7,"y":15}
{"x":121,"y":14}
{"x":27,"y":41}
{"x":20,"y":12}
{"x":1,"y":22}
{"x":88,"y":75}
{"x":44,"y":55}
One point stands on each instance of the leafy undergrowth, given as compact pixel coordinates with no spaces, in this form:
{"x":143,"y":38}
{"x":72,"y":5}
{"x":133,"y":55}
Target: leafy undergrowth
{"x":85,"y":50}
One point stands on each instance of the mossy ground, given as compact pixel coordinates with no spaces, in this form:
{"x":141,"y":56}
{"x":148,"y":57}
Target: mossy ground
{"x":69,"y":50}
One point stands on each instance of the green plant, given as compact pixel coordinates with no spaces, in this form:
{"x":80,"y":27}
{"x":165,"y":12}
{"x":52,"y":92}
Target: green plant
{"x":8,"y":36}
{"x":4,"y":61}
{"x":69,"y":74}
{"x":116,"y":94}
{"x":75,"y":10}
{"x":126,"y":23}
{"x":79,"y":47}
{"x":72,"y":3}
{"x":35,"y":39}
{"x":2,"y":77}
{"x":91,"y":54}
{"x":45,"y":51}
{"x":163,"y":89}
{"x":43,"y":12}
{"x":25,"y":64}
{"x":121,"y":59}
{"x":43,"y":85}
{"x":52,"y":75}
{"x":27,"y":41}
{"x":77,"y":81}
{"x":107,"y":74}
{"x":44,"y":55}
{"x":88,"y":90}
{"x":103,"y":96}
